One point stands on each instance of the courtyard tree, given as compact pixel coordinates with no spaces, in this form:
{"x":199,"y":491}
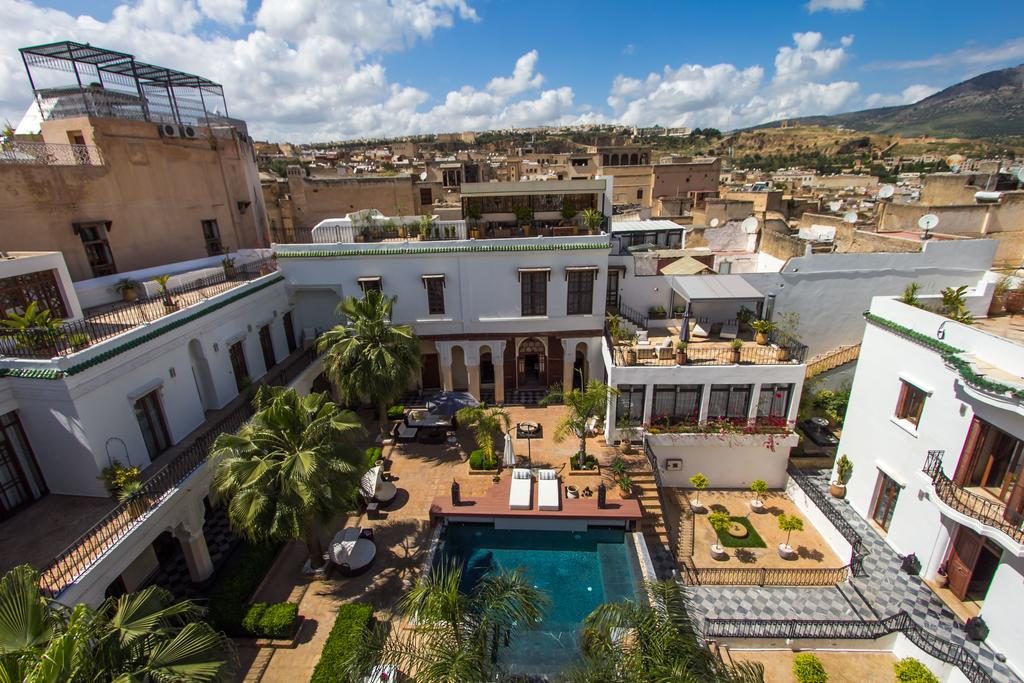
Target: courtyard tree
{"x":487,"y":424}
{"x":294,"y":465}
{"x":652,"y":639}
{"x":139,"y":637}
{"x":789,"y":524}
{"x":585,"y":406}
{"x":699,"y":482}
{"x":369,"y":358}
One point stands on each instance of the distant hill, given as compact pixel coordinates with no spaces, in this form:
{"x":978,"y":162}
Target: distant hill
{"x":987,"y":105}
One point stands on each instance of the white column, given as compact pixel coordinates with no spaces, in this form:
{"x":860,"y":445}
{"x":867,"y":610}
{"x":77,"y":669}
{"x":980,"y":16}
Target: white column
{"x":472,"y":355}
{"x":193,"y":543}
{"x":498,"y":360}
{"x":705,"y":402}
{"x":444,"y":360}
{"x":755,"y":398}
{"x":648,"y":403}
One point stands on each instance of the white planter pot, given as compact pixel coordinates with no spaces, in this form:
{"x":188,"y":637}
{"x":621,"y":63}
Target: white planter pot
{"x":786,"y":552}
{"x":696,"y":507}
{"x":718,"y":552}
{"x":757,"y":506}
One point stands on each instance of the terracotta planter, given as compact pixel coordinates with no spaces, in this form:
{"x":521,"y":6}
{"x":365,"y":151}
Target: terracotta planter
{"x":130,"y":294}
{"x":680,"y":357}
{"x":629,"y":356}
{"x":781,"y":353}
{"x":995,"y":307}
{"x":230,"y":272}
{"x":761,"y":338}
{"x":421,"y":236}
{"x":735,"y":356}
{"x":837,"y":490}
{"x":1014,"y":302}
{"x":474,"y":234}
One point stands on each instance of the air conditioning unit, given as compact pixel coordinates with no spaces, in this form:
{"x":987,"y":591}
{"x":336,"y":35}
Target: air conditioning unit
{"x":189,"y":132}
{"x":168,"y":130}
{"x":674,"y":464}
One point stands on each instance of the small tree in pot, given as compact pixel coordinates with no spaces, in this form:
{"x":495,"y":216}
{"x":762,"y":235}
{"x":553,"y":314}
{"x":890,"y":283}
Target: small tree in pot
{"x":681,"y":352}
{"x":169,"y":303}
{"x":759,"y":487}
{"x":789,"y":524}
{"x":699,"y":482}
{"x":720,"y":522}
{"x":128,"y":289}
{"x":762,"y":328}
{"x":844,"y":468}
{"x":737,"y":349}
{"x":592,"y":218}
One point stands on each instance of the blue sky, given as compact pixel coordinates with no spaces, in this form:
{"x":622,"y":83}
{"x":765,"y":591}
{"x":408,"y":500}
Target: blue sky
{"x":316,"y":69}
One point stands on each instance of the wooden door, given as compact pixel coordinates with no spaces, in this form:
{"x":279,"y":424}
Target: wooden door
{"x":431,"y":376}
{"x":963,"y":557}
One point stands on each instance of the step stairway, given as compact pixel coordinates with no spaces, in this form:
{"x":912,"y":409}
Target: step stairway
{"x":830,"y":360}
{"x":653,"y":525}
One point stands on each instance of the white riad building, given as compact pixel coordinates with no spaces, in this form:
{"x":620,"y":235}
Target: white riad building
{"x":935,"y":430}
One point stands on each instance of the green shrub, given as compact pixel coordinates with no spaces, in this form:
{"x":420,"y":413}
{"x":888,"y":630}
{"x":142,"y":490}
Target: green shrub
{"x":478,"y":460}
{"x":396,"y":412}
{"x":271,"y":621}
{"x":235,"y":584}
{"x":349,"y":633}
{"x":909,"y":670}
{"x":116,"y":476}
{"x":372,"y":455}
{"x":808,"y":669}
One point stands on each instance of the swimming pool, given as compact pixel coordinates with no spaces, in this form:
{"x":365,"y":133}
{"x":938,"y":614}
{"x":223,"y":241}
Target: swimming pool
{"x":577,"y":570}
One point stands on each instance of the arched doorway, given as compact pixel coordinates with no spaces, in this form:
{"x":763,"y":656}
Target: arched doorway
{"x":486,"y":367}
{"x":615,"y":160}
{"x":580,"y":376}
{"x":533,"y":371}
{"x":633,"y":159}
{"x":460,"y":375}
{"x":201,"y":375}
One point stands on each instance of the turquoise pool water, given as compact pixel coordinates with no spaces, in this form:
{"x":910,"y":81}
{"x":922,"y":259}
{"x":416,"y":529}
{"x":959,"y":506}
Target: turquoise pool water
{"x":577,"y":570}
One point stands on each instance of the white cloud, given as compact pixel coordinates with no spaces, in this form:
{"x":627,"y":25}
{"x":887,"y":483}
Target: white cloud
{"x":523,"y":77}
{"x":228,"y":12}
{"x":835,"y":5}
{"x":909,"y":95}
{"x":978,"y":56}
{"x":807,"y":60}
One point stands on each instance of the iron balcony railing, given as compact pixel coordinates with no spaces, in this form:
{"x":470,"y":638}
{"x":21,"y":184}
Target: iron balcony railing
{"x":813,"y":629}
{"x":49,"y":154}
{"x":765,"y":576}
{"x":109,"y":321}
{"x":88,"y":548}
{"x":858,"y":551}
{"x":704,"y":353}
{"x":981,"y":508}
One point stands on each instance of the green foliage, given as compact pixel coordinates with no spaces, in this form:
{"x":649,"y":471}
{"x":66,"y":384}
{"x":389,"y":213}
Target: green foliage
{"x":745,"y":315}
{"x":584,"y":405}
{"x":371,"y":455}
{"x":909,"y":670}
{"x":487,"y":425}
{"x":625,"y":485}
{"x":35,"y":329}
{"x":524,"y":214}
{"x":271,"y":620}
{"x":568,"y":210}
{"x":396,"y":412}
{"x":480,"y":460}
{"x":844,"y":468}
{"x":736,"y":344}
{"x":832,"y":405}
{"x":79,"y":339}
{"x":909,"y":295}
{"x":912,"y":335}
{"x":759,"y":486}
{"x":616,"y":327}
{"x":589,"y":462}
{"x":954,"y":305}
{"x":125,"y":284}
{"x":592,"y":218}
{"x":807,"y":668}
{"x":349,"y":635}
{"x":763,"y":326}
{"x":117,"y":476}
{"x":751,"y":540}
{"x":236,"y":581}
{"x":618,"y":466}
{"x":656,"y":313}
{"x":699,"y":481}
{"x":789,"y":524}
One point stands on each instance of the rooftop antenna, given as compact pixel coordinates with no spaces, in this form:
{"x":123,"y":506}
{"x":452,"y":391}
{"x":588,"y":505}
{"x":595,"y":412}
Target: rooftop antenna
{"x":886,"y":192}
{"x":749,"y":225}
{"x":927,"y":223}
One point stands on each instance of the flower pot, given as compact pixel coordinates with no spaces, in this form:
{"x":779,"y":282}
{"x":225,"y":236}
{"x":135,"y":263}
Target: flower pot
{"x":572,"y":492}
{"x":761,"y":338}
{"x":129,"y":294}
{"x":170,"y":306}
{"x":781,"y":353}
{"x":474,"y":234}
{"x":230,"y":272}
{"x":421,"y":236}
{"x":837,"y":490}
{"x":680,"y":357}
{"x":496,"y":479}
{"x":757,"y":506}
{"x":718,"y":552}
{"x":696,"y":506}
{"x":735,"y":356}
{"x":1014,"y":302}
{"x":995,"y":306}
{"x":630,"y":356}
{"x":786,"y":552}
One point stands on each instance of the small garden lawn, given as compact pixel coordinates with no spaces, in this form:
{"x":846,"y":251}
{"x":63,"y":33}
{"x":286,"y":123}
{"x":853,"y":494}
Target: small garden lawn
{"x":751,"y":540}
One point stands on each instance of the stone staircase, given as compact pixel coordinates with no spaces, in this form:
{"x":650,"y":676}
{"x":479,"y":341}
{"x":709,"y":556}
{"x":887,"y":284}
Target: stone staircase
{"x":830,"y":360}
{"x":653,"y":525}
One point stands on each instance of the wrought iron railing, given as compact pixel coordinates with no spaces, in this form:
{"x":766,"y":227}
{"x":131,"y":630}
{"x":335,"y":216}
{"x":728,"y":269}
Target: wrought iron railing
{"x":985,"y":510}
{"x":767,"y":576}
{"x":84,"y":551}
{"x":115,"y":319}
{"x":705,"y":353}
{"x":634,"y":316}
{"x":858,"y":551}
{"x":50,"y":154}
{"x":813,"y":629}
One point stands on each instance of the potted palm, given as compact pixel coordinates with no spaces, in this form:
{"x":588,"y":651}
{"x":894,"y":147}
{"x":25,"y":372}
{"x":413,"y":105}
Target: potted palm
{"x":593,"y":219}
{"x":999,"y":292}
{"x":426,"y":226}
{"x":230,"y":272}
{"x":737,"y":349}
{"x":681,"y":352}
{"x":169,"y":303}
{"x":1014,"y":302}
{"x":759,"y":487}
{"x":128,"y":289}
{"x":762,"y":328}
{"x":789,"y":524}
{"x":699,"y":482}
{"x":720,"y":522}
{"x":844,"y":467}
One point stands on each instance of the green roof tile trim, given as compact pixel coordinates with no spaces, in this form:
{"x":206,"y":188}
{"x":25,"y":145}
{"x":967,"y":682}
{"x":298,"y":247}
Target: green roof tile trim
{"x":329,"y":253}
{"x":950,"y":355}
{"x":53,"y":373}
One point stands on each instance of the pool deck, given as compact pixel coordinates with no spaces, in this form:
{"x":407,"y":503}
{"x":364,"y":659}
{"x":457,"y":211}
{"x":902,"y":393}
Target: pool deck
{"x":494,"y":503}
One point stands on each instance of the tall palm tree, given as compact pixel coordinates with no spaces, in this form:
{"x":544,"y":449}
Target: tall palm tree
{"x":293,"y":465}
{"x":368,"y":358}
{"x":487,"y":424}
{"x":652,"y":640}
{"x":139,"y":637}
{"x":457,"y":635}
{"x":584,"y":404}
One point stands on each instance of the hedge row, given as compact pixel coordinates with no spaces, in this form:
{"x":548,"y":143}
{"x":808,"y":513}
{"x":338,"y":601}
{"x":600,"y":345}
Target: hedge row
{"x":348,"y":634}
{"x":229,"y":608}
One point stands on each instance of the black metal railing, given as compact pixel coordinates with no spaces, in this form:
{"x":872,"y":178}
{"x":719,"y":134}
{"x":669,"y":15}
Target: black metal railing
{"x":858,"y":551}
{"x":985,"y":510}
{"x":101,"y":324}
{"x":767,"y":576}
{"x":813,"y":629}
{"x":291,"y":235}
{"x":84,"y":551}
{"x":634,"y":316}
{"x":705,"y":353}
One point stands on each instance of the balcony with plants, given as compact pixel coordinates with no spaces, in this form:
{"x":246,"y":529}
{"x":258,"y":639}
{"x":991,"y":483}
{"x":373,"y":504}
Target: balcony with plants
{"x":770,"y":432}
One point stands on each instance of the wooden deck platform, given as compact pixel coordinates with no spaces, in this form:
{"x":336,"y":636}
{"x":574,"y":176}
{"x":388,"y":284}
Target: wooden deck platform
{"x":494,"y":503}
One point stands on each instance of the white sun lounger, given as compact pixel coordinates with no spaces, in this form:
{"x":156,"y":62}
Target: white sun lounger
{"x":520,"y":496}
{"x":547,"y":490}
{"x":730,"y":329}
{"x":375,"y":488}
{"x":351,"y":553}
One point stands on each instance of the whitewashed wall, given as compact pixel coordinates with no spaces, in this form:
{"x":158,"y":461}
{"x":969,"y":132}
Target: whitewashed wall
{"x":731,"y":461}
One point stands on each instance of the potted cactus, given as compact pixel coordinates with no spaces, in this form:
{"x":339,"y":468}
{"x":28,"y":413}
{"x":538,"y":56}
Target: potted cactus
{"x":844,"y":467}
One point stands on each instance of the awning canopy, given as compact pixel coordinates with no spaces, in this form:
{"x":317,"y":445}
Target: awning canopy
{"x":686,"y":265}
{"x":434,"y":276}
{"x":520,"y":272}
{"x":581,"y":269}
{"x":714,"y":288}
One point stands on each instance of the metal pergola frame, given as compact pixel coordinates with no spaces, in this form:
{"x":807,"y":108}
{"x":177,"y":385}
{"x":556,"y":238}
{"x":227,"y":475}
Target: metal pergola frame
{"x":121,"y":68}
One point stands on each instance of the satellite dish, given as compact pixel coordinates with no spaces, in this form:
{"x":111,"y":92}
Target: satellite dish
{"x":714,"y":223}
{"x":749,"y":225}
{"x":423,"y":176}
{"x":928,"y":221}
{"x":835,"y":206}
{"x":886,"y":191}
{"x":850,"y":217}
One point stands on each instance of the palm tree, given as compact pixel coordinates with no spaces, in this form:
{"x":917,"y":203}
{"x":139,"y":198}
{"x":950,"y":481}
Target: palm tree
{"x":652,"y":640}
{"x":585,"y":404}
{"x":592,"y":218}
{"x":294,"y":464}
{"x":487,"y":424}
{"x":368,"y":357}
{"x":142,"y":637}
{"x":457,"y":635}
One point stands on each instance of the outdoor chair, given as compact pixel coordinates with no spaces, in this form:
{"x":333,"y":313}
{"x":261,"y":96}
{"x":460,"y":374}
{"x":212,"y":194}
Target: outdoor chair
{"x":547,"y":490}
{"x":350,"y":552}
{"x":520,"y":496}
{"x":375,"y":488}
{"x":730,"y":329}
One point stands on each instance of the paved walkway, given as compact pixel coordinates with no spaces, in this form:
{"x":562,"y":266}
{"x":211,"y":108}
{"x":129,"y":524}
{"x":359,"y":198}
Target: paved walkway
{"x":882,"y":592}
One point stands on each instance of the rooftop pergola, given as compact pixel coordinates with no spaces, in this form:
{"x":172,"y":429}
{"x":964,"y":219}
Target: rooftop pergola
{"x":115,"y":84}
